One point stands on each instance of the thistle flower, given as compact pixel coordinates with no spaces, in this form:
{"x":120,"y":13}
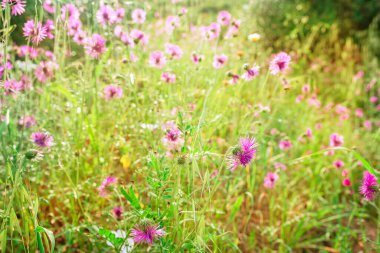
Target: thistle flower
{"x":250,"y":73}
{"x":17,"y":6}
{"x":95,"y":46}
{"x":112,"y":91}
{"x":369,"y":186}
{"x":42,"y":139}
{"x":157,"y":59}
{"x":243,"y":153}
{"x":280,"y":63}
{"x":138,"y":16}
{"x":224,"y":18}
{"x":146,"y":232}
{"x":34,"y":32}
{"x":219,"y":61}
{"x":270,"y":180}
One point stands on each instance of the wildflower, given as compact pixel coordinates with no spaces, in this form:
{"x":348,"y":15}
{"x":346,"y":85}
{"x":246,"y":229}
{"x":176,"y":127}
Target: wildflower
{"x":17,"y":6}
{"x":373,"y":99}
{"x":368,"y":125}
{"x":48,"y":6}
{"x":117,"y":212}
{"x":359,"y":113}
{"x":211,"y":32}
{"x":250,"y":73}
{"x":171,"y":23}
{"x":112,"y":91}
{"x":369,"y":186}
{"x":42,"y":139}
{"x":80,"y":37}
{"x":270,"y":180}
{"x":254,"y":37}
{"x":27,"y":121}
{"x":346,"y":182}
{"x":168,"y":77}
{"x":12,"y":87}
{"x":173,"y":50}
{"x":224,"y":18}
{"x":306,"y":88}
{"x":344,"y":173}
{"x":127,"y":40}
{"x":106,"y":15}
{"x":309,"y":133}
{"x":157,"y":59}
{"x":138,"y":16}
{"x":146,"y":232}
{"x":74,"y":26}
{"x":95,"y":46}
{"x":280,"y":63}
{"x":280,"y":166}
{"x":173,"y":139}
{"x":70,"y":12}
{"x":234,"y":78}
{"x":285,"y":144}
{"x":34,"y":32}
{"x":243,"y":153}
{"x":338,"y":164}
{"x":219,"y":61}
{"x":120,"y":14}
{"x":102,"y":189}
{"x":233,"y":30}
{"x":138,"y":36}
{"x":196,"y":59}
{"x":49,"y":26}
{"x":45,"y":70}
{"x":214,"y":174}
{"x":336,"y":140}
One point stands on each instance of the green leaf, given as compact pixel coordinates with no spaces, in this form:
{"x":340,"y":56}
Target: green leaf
{"x":131,"y":197}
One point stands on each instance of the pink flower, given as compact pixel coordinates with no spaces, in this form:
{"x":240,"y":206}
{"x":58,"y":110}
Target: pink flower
{"x":45,"y":71}
{"x":373,"y":99}
{"x":234,"y":78}
{"x":74,"y":26}
{"x":346,"y":182}
{"x":80,"y":37}
{"x":306,"y":88}
{"x":369,"y":186}
{"x":49,"y":6}
{"x":250,"y":73}
{"x":336,"y":140}
{"x":139,"y":36}
{"x":42,"y":139}
{"x":270,"y":180}
{"x":224,"y":18}
{"x":12,"y":87}
{"x":173,"y":139}
{"x":359,"y":112}
{"x":157,"y":59}
{"x":95,"y":46}
{"x":171,"y":23}
{"x":233,"y":30}
{"x":358,"y":75}
{"x":344,"y":173}
{"x":309,"y":133}
{"x":70,"y":12}
{"x":243,"y":154}
{"x":117,"y":212}
{"x":368,"y":125}
{"x":112,"y":91}
{"x":211,"y":32}
{"x":106,"y":15}
{"x":196,"y":59}
{"x":280,"y":63}
{"x":27,"y":121}
{"x":138,"y":16}
{"x":146,"y":232}
{"x":168,"y":77}
{"x":173,"y":50}
{"x":17,"y":6}
{"x":285,"y":144}
{"x":219,"y":61}
{"x":49,"y":26}
{"x":102,"y":189}
{"x":280,"y":166}
{"x":120,"y":14}
{"x":34,"y":32}
{"x":338,"y":164}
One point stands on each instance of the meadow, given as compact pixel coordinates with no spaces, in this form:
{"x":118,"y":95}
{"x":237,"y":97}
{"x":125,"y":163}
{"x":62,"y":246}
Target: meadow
{"x":187,"y":126}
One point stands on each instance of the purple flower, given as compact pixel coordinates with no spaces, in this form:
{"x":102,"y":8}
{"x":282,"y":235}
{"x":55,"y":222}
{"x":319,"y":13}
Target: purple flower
{"x":106,"y":15}
{"x":49,"y":6}
{"x":17,"y":6}
{"x":336,"y":140}
{"x":95,"y":46}
{"x":139,"y":36}
{"x":219,"y":61}
{"x":243,"y":153}
{"x":280,"y":63}
{"x":270,"y":180}
{"x":173,"y":139}
{"x":49,"y":26}
{"x":173,"y":50}
{"x":285,"y":144}
{"x":112,"y":91}
{"x":157,"y":59}
{"x":34,"y":32}
{"x":27,"y":121}
{"x":224,"y":18}
{"x":117,"y":212}
{"x":42,"y":139}
{"x":70,"y":11}
{"x":250,"y":72}
{"x":369,"y":186}
{"x":171,"y":23}
{"x":168,"y":77}
{"x":103,"y":192}
{"x":146,"y":232}
{"x":138,"y":16}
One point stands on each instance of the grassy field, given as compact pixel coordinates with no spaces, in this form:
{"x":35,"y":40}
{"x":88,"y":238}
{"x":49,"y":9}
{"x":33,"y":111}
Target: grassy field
{"x":182,"y":127}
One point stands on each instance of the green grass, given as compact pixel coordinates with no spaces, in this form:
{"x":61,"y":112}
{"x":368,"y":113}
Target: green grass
{"x":54,"y":202}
